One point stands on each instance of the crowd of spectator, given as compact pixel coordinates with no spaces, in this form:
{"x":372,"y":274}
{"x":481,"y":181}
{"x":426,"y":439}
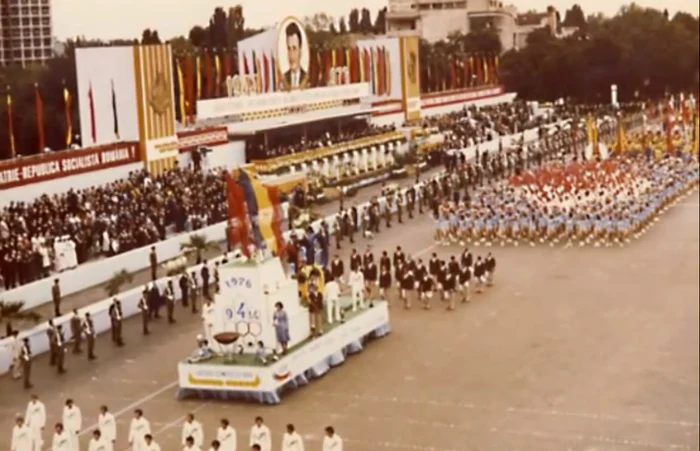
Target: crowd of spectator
{"x":105,"y":220}
{"x":317,"y":136}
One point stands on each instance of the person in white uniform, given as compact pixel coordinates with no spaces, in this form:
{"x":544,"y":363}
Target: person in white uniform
{"x":260,"y":435}
{"x":149,"y":444}
{"x":138,"y":431}
{"x":331,"y":291}
{"x":332,"y":441}
{"x":291,"y":440}
{"x":226,"y":436}
{"x":35,"y":417}
{"x":62,"y":440}
{"x":72,"y":422}
{"x":208,"y":317}
{"x":21,"y":436}
{"x":215,"y":446}
{"x":190,"y":445}
{"x":357,"y":289}
{"x":192,"y":428}
{"x":107,"y":425}
{"x":98,"y":442}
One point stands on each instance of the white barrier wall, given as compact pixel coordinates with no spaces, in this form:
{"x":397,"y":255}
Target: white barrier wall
{"x":101,"y":177}
{"x":229,"y":156}
{"x":139,"y":260}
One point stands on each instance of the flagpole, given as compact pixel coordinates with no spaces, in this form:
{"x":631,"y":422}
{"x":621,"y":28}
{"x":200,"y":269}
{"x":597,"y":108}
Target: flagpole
{"x":39,"y":104}
{"x":10,"y":126}
{"x":67,"y":111}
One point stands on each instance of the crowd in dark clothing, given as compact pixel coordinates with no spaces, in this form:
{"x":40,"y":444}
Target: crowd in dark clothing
{"x":317,"y":136}
{"x":127,"y":214}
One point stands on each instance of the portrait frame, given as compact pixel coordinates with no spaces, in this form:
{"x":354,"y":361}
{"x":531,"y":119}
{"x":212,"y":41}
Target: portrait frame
{"x":282,"y":58}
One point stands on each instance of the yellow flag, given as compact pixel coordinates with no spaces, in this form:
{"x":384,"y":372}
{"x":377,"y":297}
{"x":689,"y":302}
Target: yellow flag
{"x":181,"y":96}
{"x":217,"y":65}
{"x":10,"y":127}
{"x":696,"y":135}
{"x":198,"y":78}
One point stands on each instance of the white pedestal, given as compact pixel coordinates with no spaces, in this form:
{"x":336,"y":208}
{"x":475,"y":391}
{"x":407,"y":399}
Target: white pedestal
{"x":246,"y":303}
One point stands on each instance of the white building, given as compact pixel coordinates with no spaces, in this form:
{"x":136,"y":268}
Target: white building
{"x":434,"y":20}
{"x":25,"y":32}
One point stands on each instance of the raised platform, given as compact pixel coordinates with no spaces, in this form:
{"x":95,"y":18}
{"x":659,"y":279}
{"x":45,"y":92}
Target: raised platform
{"x":249,"y":380}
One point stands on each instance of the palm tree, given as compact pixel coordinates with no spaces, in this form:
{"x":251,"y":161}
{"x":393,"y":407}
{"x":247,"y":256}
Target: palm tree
{"x":12,"y":311}
{"x":198,"y":244}
{"x":114,"y":285}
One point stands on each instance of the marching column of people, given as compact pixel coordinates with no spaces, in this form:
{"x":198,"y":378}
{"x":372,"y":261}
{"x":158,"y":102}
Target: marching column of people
{"x":28,"y":433}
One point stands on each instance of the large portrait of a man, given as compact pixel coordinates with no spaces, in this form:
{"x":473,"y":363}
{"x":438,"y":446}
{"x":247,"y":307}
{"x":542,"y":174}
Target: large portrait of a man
{"x":293,"y":55}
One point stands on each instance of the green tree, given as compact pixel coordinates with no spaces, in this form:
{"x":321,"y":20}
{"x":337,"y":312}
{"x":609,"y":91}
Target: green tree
{"x":198,"y":36}
{"x":218,"y":29}
{"x":198,"y":244}
{"x":343,"y":29}
{"x":114,"y":285}
{"x":380,"y":21}
{"x":575,"y":17}
{"x":11,"y":311}
{"x":150,"y":37}
{"x":366,"y":25}
{"x":236,"y":26}
{"x":353,"y":20}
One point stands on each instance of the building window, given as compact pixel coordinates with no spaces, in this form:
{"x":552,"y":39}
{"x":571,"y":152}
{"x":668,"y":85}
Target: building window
{"x":47,"y":42}
{"x":25,"y":11}
{"x":48,"y":53}
{"x":27,"y":43}
{"x":27,"y":53}
{"x":37,"y":42}
{"x":17,"y":54}
{"x":35,"y":21}
{"x":46,"y":21}
{"x":25,"y":22}
{"x":437,"y":5}
{"x":461,"y":5}
{"x":15,"y":22}
{"x":45,"y":10}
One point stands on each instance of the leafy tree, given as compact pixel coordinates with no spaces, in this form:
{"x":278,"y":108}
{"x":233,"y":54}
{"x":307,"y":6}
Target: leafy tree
{"x":380,"y":21}
{"x":150,"y":37}
{"x":198,"y":244}
{"x":353,"y":20}
{"x":332,"y":28}
{"x":575,"y":17}
{"x":114,"y":285}
{"x":366,"y":25}
{"x":11,"y":311}
{"x":236,"y":26}
{"x":342,"y":26}
{"x":198,"y":36}
{"x":218,"y":29}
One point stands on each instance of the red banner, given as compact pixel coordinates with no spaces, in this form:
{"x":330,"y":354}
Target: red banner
{"x":48,"y":166}
{"x":237,"y":216}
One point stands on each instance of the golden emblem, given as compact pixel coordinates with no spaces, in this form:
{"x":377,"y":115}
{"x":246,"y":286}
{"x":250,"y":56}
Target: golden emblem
{"x":412,"y":67}
{"x":159,"y":98}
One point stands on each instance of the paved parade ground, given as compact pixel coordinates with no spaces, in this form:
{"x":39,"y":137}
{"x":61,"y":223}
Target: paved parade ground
{"x":579,"y":349}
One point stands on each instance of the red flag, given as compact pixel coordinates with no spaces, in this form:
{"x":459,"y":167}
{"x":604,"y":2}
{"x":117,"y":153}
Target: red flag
{"x":327,"y":66}
{"x":234,"y":64}
{"x":465,"y":82}
{"x":237,"y":216}
{"x":453,"y":74}
{"x":380,"y":71}
{"x":479,"y":71}
{"x":246,"y":69}
{"x":91,"y":103}
{"x":39,"y":118}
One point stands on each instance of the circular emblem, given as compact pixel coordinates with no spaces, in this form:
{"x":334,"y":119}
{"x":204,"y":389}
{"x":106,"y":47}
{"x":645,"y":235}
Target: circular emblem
{"x":159,"y":98}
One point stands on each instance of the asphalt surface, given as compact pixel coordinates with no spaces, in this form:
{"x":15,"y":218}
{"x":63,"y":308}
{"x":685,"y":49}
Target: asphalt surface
{"x":582,"y":349}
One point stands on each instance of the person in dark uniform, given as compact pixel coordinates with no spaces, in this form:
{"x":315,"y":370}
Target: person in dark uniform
{"x":145,"y":315}
{"x":349,"y":227}
{"x":387,"y":211}
{"x":465,"y":276}
{"x":59,"y":344}
{"x":490,"y":269}
{"x":411,"y":201}
{"x":217,"y":278}
{"x":184,"y":285}
{"x":367,"y":257}
{"x":399,"y":208}
{"x":50,"y":334}
{"x":316,"y":311}
{"x":88,"y":329}
{"x":399,"y":256}
{"x":407,"y":286}
{"x":426,"y":288}
{"x":440,"y":278}
{"x":169,"y":298}
{"x":337,"y":269}
{"x":153,"y":261}
{"x":194,"y":291}
{"x":467,"y":258}
{"x":116,"y":318}
{"x":26,"y":356}
{"x":385,"y":283}
{"x":384,"y":262}
{"x":479,"y":274}
{"x":205,"y":280}
{"x":76,"y":330}
{"x":355,"y":261}
{"x":371,"y":275}
{"x":337,"y":233}
{"x":453,"y":266}
{"x":448,"y":287}
{"x":56,"y":297}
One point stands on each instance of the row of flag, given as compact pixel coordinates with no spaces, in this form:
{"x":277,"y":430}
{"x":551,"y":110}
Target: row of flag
{"x":454,"y":72}
{"x":67,"y":117}
{"x":39,"y":111}
{"x":255,"y":213}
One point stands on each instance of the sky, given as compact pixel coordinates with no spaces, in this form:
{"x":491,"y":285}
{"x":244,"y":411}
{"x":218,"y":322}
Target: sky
{"x":112,"y":19}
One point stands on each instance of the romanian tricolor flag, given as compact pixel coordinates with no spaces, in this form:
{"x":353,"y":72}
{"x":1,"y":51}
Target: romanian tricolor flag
{"x":264,"y":212}
{"x":237,"y":232}
{"x":181,"y":102}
